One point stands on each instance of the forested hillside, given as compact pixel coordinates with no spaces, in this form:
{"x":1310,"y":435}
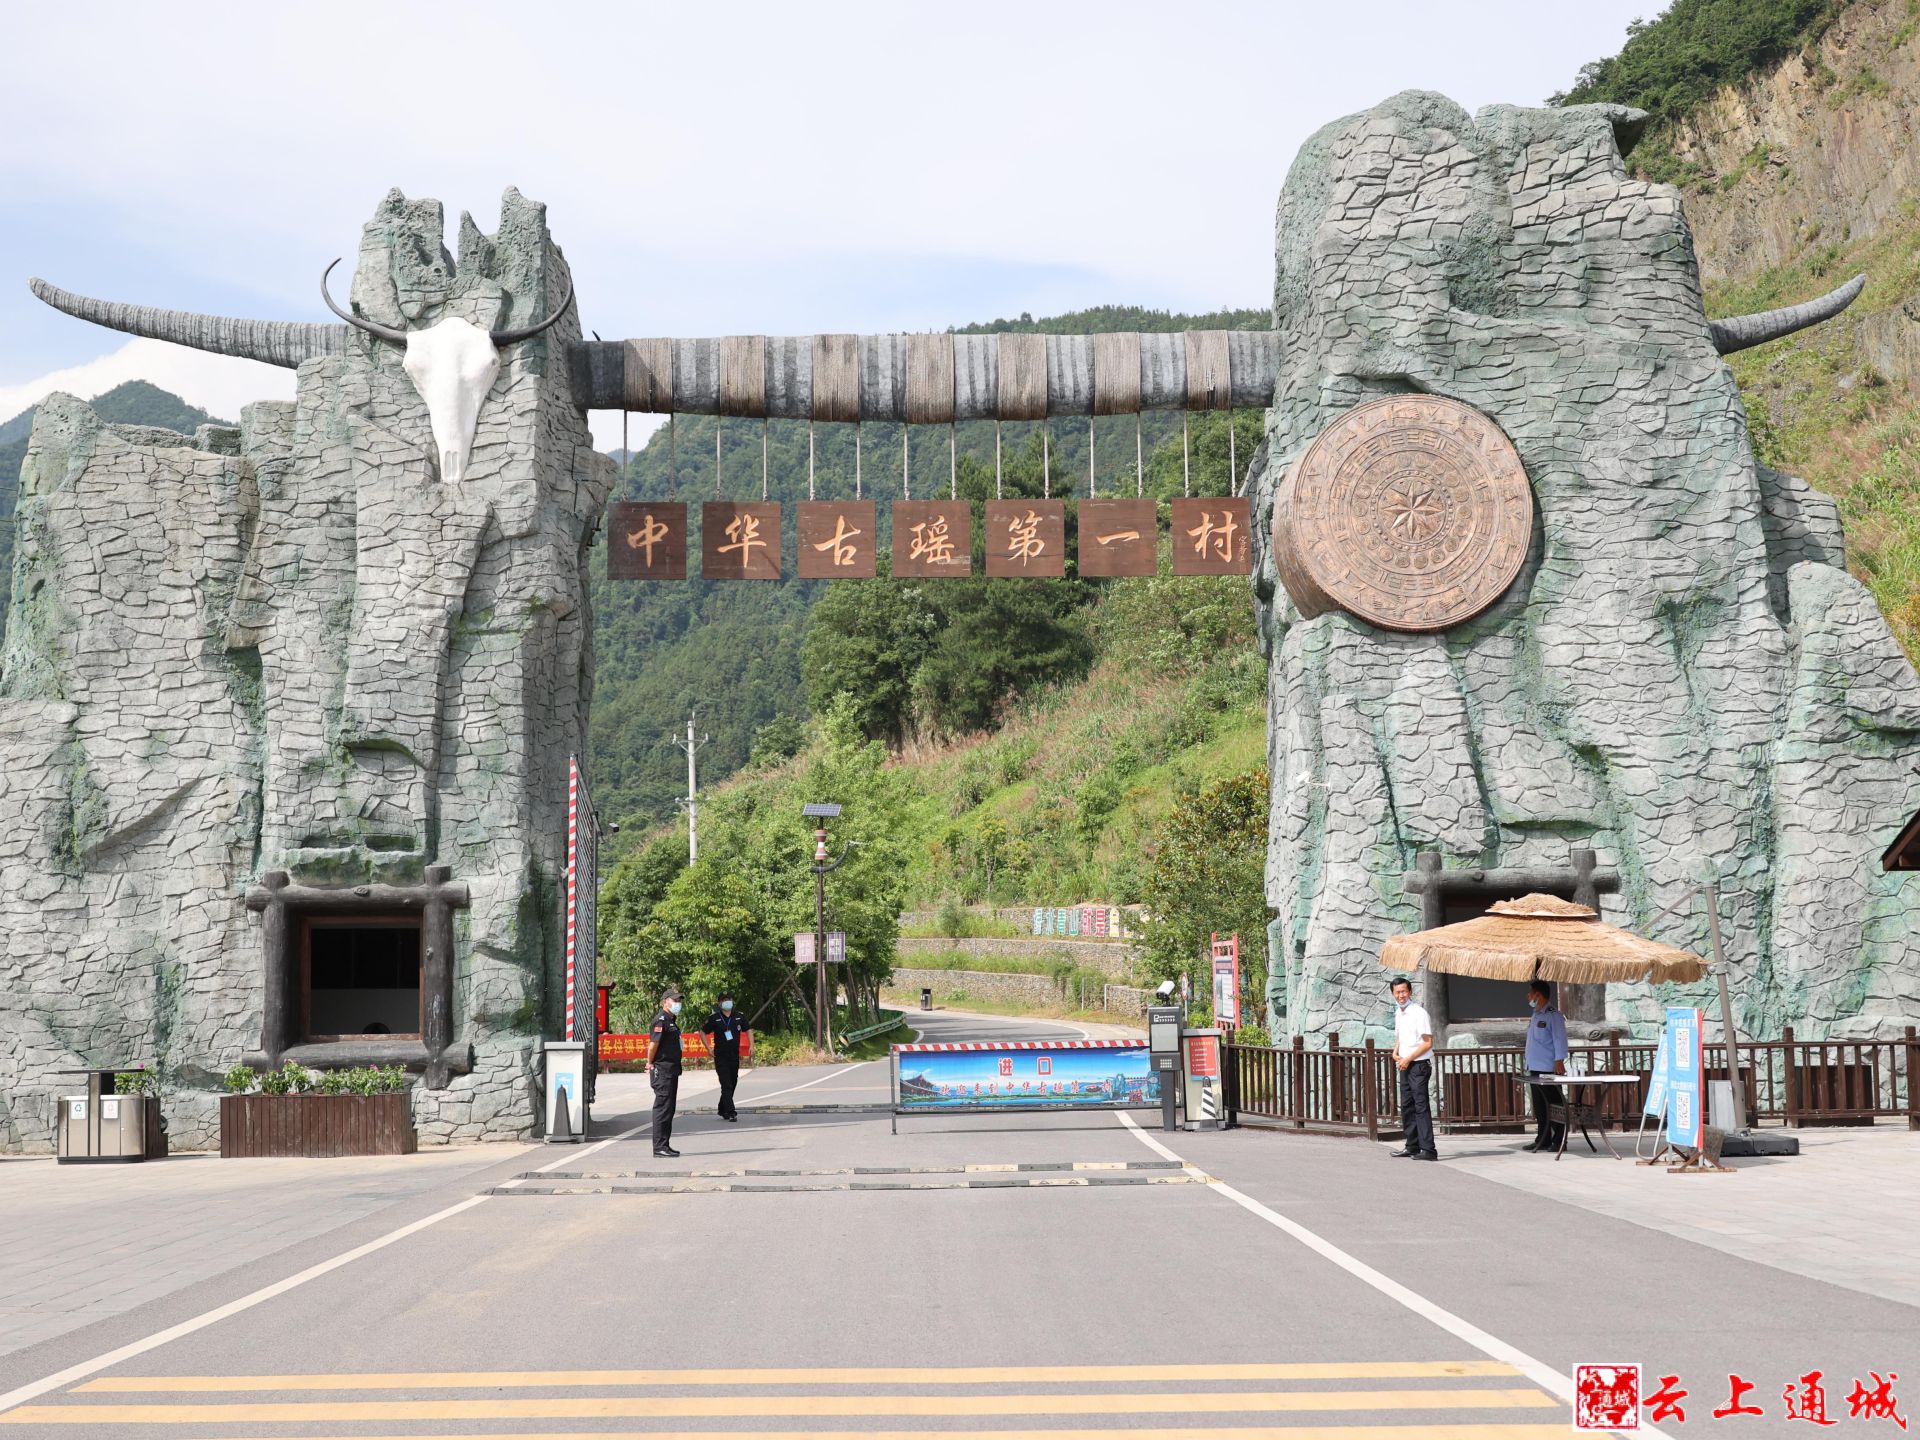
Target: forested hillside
{"x":733,"y":651}
{"x":1793,"y":130}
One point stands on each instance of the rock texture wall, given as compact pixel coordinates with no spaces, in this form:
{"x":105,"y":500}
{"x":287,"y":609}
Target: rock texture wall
{"x":294,"y":647}
{"x":1683,"y":676}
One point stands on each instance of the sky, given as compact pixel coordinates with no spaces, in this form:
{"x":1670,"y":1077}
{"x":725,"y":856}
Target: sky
{"x":740,"y":169}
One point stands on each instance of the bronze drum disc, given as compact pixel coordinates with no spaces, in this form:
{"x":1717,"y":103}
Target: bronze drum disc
{"x":1410,"y":512}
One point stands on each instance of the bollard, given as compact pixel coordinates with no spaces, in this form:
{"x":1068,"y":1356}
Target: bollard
{"x":926,"y":997}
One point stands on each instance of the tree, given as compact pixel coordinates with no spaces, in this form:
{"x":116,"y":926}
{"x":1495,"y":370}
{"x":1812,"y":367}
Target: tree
{"x":1002,"y":638}
{"x":1207,"y":874}
{"x":866,"y":640}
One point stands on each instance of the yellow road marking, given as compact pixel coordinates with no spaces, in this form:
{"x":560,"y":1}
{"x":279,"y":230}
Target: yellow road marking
{"x":597,"y":1407}
{"x":1229,"y":1432}
{"x":899,"y":1375}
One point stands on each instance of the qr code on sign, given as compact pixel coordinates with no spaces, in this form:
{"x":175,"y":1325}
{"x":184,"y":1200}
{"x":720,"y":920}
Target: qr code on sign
{"x":1606,"y":1397}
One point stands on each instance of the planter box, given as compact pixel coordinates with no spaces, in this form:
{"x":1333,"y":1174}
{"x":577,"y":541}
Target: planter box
{"x":316,"y":1126}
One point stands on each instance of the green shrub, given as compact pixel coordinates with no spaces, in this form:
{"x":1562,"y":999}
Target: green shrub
{"x":334,"y":1082}
{"x":239,"y":1079}
{"x":135,"y":1082}
{"x":292,"y":1078}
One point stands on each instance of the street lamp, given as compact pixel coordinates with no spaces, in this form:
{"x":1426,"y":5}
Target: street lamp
{"x":822,"y":988}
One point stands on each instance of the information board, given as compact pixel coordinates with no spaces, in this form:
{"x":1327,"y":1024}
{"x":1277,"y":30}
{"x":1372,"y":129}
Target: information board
{"x":1686,"y":1090}
{"x":1226,"y":981}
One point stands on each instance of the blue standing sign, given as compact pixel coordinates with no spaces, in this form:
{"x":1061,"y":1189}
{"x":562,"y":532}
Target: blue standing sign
{"x":1686,"y":1084}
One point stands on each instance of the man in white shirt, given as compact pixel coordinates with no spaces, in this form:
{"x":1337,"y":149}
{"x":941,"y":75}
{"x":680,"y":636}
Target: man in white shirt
{"x":1412,"y":1044}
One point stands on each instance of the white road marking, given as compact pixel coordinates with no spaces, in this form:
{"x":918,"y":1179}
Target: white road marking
{"x":33,"y":1389}
{"x":837,"y":1070}
{"x":1538,"y":1371}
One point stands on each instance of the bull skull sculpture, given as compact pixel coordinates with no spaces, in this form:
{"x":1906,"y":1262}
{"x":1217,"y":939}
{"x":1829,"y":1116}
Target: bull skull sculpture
{"x":452,"y":363}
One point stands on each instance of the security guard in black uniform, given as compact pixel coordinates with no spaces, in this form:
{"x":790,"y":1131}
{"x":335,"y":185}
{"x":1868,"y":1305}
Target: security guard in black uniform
{"x":723,"y":1029}
{"x":663,"y":1069}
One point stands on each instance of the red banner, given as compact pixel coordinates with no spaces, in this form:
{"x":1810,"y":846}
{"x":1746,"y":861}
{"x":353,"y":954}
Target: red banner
{"x":632,"y":1049}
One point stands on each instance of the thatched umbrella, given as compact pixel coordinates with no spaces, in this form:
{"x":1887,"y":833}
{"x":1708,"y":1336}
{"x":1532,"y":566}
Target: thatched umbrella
{"x":1541,"y":937}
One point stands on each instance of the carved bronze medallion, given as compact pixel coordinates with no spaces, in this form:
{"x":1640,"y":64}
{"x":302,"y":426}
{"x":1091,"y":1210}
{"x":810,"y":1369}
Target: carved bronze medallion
{"x":1411,"y":512}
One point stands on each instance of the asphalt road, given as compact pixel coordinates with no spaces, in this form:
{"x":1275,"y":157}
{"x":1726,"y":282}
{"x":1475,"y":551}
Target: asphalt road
{"x":1231,"y":1285}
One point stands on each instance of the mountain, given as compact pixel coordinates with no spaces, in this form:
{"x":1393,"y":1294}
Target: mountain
{"x":1792,"y":128}
{"x":133,"y":403}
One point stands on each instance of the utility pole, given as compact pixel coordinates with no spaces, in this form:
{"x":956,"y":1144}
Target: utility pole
{"x":692,"y":747}
{"x":822,"y":983}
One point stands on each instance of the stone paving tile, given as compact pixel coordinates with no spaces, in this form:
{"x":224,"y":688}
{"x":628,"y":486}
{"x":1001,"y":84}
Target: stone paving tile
{"x":107,"y":1238}
{"x":1841,"y":1211}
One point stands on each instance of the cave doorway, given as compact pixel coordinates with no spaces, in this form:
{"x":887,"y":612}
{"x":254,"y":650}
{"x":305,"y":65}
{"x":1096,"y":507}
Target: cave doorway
{"x":360,"y":977}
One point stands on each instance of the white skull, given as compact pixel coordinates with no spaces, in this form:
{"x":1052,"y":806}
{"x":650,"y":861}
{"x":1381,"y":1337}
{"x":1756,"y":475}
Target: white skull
{"x":453,"y":365}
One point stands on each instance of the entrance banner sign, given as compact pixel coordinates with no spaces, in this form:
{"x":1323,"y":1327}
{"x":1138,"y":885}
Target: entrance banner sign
{"x":740,"y":540}
{"x":647,"y":540}
{"x":837,"y":539}
{"x":1024,"y":1075}
{"x":932,"y":539}
{"x":1118,"y":537}
{"x":1027,"y":538}
{"x":1226,"y":980}
{"x":1210,"y":536}
{"x":1685,"y":1085}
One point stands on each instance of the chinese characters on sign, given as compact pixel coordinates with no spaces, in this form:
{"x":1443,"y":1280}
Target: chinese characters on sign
{"x":740,"y":540}
{"x":1226,"y":980}
{"x":1607,"y":1397}
{"x":837,"y":540}
{"x":1686,"y":1090}
{"x":1027,"y":538}
{"x":1117,"y":537}
{"x":646,"y":540}
{"x":1210,"y":536}
{"x":932,"y":538}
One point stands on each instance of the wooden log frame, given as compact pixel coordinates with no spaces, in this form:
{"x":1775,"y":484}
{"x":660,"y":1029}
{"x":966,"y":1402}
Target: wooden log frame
{"x":930,"y":379}
{"x":1582,"y":880}
{"x":281,"y":904}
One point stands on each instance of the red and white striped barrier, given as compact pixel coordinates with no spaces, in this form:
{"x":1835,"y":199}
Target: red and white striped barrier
{"x":1025,"y":1045}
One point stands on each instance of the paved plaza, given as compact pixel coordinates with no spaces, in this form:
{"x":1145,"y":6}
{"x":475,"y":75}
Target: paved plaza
{"x":807,"y":1272}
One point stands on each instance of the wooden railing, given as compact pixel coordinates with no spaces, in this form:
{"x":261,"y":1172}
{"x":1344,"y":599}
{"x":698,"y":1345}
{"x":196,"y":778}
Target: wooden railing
{"x":1345,"y":1089}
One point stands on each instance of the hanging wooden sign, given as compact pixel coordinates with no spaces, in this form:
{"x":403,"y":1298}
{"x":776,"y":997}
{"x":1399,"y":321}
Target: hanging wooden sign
{"x":646,"y":540}
{"x":1027,"y":538}
{"x":837,"y":539}
{"x":932,"y":539}
{"x":1210,"y":536}
{"x":740,"y":540}
{"x":1118,"y":537}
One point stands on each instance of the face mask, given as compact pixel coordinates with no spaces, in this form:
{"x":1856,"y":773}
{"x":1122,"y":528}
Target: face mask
{"x":673,"y":1007}
{"x":726,"y":1005}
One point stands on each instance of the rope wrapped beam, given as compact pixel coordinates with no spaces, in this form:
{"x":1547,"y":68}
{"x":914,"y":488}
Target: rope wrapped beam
{"x":930,"y":379}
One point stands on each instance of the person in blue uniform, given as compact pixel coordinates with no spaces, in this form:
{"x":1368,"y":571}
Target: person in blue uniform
{"x":1546,"y":1055}
{"x":663,"y":1069}
{"x":723,"y":1029}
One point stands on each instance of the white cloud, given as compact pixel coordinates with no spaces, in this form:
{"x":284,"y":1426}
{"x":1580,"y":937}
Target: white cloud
{"x":218,"y":384}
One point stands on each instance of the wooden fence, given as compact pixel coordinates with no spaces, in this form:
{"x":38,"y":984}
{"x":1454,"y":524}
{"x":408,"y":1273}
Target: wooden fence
{"x":1355,"y":1090}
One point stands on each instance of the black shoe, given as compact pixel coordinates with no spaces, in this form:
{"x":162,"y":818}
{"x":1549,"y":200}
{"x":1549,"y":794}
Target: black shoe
{"x":666,"y":1153}
{"x":1427,"y":1155}
{"x":729,"y":1117}
{"x":1535,"y":1146}
{"x":1404,"y":1154}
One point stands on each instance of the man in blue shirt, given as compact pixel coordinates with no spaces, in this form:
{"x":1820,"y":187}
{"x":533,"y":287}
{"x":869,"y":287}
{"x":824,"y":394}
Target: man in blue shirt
{"x":1546,"y":1055}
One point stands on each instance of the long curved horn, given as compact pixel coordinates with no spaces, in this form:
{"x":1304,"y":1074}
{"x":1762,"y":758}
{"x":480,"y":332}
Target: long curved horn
{"x":274,"y":342}
{"x":384,"y":332}
{"x":527,"y":332}
{"x":1743,"y":332}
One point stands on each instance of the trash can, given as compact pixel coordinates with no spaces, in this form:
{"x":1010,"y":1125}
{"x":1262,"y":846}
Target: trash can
{"x":101,"y":1127}
{"x":926,"y":997}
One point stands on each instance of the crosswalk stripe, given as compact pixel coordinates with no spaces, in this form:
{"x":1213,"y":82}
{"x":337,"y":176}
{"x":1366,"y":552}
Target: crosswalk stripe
{"x":1254,"y":1432}
{"x":597,"y":1407}
{"x":868,"y":1375}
